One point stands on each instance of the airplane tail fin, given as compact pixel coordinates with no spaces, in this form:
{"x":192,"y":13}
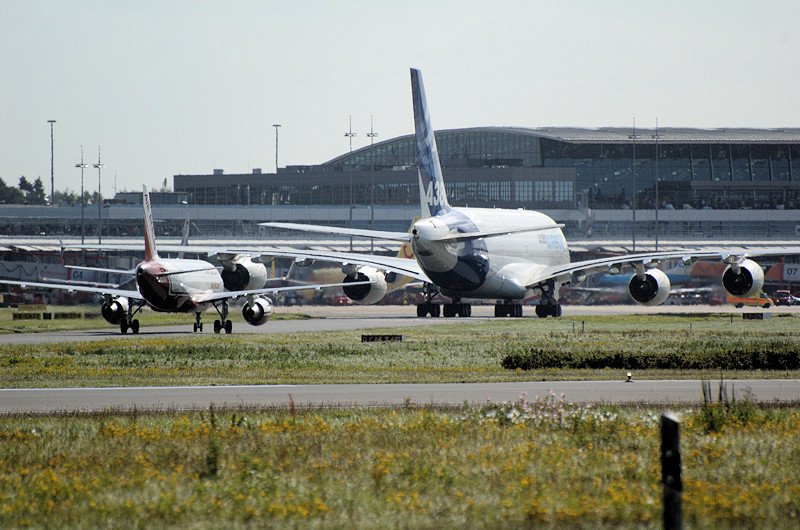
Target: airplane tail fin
{"x":150,"y":252}
{"x":431,"y":185}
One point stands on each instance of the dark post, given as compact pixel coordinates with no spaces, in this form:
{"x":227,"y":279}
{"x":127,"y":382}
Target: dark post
{"x":671,"y":472}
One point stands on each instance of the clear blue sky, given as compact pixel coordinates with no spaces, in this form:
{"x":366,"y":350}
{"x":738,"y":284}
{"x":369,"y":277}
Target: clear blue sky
{"x":167,"y":87}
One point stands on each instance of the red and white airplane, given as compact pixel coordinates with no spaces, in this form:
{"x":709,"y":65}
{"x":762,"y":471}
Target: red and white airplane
{"x":176,"y":286}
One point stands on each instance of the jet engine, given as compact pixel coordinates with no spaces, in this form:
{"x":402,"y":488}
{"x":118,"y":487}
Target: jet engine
{"x":114,"y":310}
{"x":743,"y":279}
{"x":257,"y":312}
{"x":650,"y":290}
{"x":368,"y":293}
{"x":242,"y":274}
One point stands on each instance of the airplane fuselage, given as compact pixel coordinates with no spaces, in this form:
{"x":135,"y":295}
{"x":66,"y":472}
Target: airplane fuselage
{"x":497,"y":267}
{"x":175,"y":285}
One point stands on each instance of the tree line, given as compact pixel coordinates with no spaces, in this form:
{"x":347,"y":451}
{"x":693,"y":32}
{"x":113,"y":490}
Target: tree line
{"x":33,"y":193}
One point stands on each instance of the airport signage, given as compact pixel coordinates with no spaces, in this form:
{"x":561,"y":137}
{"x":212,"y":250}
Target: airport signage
{"x":382,"y":338}
{"x":791,"y":272}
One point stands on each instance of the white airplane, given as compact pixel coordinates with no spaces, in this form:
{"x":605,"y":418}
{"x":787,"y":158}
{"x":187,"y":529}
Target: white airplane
{"x":501,"y":254}
{"x":175,"y":286}
{"x":498,"y":254}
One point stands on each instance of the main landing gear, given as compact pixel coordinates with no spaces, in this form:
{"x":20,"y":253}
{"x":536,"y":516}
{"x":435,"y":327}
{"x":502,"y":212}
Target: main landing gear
{"x":225,"y":324}
{"x":128,"y":322}
{"x":548,"y":305}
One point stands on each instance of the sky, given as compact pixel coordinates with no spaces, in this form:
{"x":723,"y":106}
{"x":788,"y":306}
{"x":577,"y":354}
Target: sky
{"x":184,"y":87}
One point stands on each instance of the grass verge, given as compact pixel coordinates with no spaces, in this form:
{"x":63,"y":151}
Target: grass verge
{"x":538,"y":463}
{"x":472,"y":351}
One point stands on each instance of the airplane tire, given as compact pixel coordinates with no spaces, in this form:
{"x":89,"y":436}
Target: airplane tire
{"x":448,"y":310}
{"x":135,"y":325}
{"x":435,"y":310}
{"x":541,"y":311}
{"x":194,"y":327}
{"x":501,"y":310}
{"x":228,"y":327}
{"x":422,"y":310}
{"x":217,"y":326}
{"x":123,"y":326}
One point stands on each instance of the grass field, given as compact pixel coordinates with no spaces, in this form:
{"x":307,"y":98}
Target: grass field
{"x":146,"y":317}
{"x":472,"y":351}
{"x":535,"y":463}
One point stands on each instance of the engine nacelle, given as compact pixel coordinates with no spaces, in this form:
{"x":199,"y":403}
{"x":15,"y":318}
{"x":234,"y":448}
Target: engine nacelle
{"x":257,"y":312}
{"x":653,"y":289}
{"x":744,"y":279}
{"x":365,"y":294}
{"x":243,"y":274}
{"x":114,"y":310}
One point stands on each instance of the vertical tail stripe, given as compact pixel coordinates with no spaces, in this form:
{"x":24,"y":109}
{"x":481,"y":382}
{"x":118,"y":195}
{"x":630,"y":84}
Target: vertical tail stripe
{"x":150,"y":252}
{"x":432,"y":193}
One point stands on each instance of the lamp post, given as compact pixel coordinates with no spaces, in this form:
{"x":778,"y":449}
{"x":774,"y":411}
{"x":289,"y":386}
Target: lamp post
{"x":633,"y":195}
{"x":371,"y":135}
{"x":656,"y":137}
{"x":276,"y":125}
{"x":350,"y":134}
{"x":99,"y":167}
{"x":52,"y":188}
{"x":82,"y":165}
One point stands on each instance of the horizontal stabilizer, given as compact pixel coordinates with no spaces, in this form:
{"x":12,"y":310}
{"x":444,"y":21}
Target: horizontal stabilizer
{"x":355,"y":232}
{"x":470,"y":236}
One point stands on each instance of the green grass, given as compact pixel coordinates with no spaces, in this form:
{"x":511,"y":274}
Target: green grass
{"x":146,"y":317}
{"x":529,"y":464}
{"x":471,"y":351}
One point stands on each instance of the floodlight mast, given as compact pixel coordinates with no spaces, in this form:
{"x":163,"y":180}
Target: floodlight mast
{"x":52,"y":180}
{"x":276,"y":125}
{"x":372,"y":135}
{"x":99,"y":167}
{"x":350,"y":134}
{"x":83,"y":166}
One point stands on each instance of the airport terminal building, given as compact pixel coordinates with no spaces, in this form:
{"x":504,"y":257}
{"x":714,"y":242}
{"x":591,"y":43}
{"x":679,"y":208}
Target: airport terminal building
{"x":728,"y":184}
{"x":582,"y":171}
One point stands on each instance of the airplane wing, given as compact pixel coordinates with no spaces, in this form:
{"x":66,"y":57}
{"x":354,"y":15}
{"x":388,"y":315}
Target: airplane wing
{"x":225,"y":295}
{"x":111,"y":291}
{"x":404,"y":266}
{"x":357,"y":232}
{"x":130,"y":272}
{"x":576,"y":271}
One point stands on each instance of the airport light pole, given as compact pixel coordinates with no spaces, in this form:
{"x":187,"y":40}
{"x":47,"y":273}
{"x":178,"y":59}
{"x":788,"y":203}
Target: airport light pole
{"x":371,"y":135}
{"x":350,"y":134}
{"x":99,"y":167}
{"x":633,"y":195}
{"x":83,"y":166}
{"x":656,"y":137}
{"x":52,"y":187}
{"x":276,"y":125}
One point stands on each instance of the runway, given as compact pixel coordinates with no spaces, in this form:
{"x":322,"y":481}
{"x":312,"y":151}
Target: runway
{"x":201,"y":397}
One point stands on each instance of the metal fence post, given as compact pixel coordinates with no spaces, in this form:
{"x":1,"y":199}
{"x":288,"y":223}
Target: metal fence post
{"x":671,"y":471}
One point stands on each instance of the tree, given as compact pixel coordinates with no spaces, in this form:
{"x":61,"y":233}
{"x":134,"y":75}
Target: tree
{"x":24,"y":185}
{"x":9,"y":195}
{"x":37,"y":194}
